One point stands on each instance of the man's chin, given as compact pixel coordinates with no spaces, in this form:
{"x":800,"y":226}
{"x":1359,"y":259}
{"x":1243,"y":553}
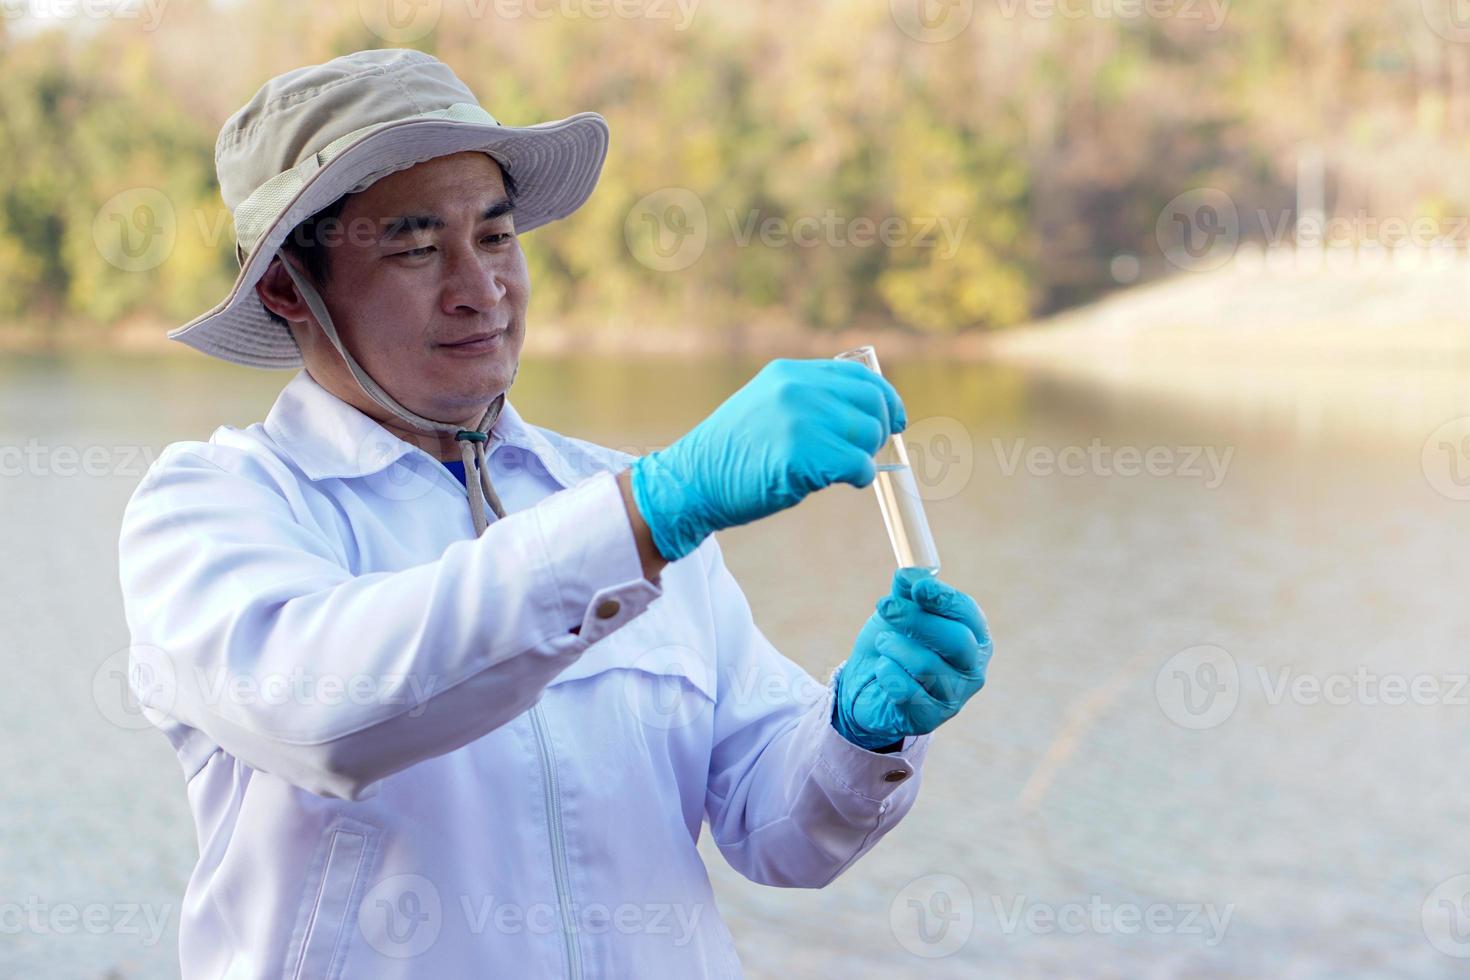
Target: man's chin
{"x":464,"y":393}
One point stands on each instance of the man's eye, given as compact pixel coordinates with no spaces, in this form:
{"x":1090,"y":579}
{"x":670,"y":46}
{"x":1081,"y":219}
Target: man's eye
{"x":416,"y":252}
{"x":500,"y":238}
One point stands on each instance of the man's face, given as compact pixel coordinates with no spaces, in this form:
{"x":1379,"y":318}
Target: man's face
{"x":427,"y":260}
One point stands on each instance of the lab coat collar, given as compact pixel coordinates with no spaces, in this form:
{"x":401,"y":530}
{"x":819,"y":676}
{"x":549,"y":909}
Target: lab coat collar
{"x":328,"y":438}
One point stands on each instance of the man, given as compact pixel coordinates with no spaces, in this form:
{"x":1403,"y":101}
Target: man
{"x":425,"y":740}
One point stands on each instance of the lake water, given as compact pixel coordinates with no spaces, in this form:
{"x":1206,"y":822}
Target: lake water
{"x":1222,"y":735}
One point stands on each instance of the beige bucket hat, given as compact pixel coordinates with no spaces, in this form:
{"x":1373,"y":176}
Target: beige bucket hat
{"x":313,"y":134}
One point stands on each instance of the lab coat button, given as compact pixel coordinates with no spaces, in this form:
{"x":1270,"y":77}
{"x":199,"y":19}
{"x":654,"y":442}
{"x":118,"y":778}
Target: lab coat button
{"x":608,"y":608}
{"x":895,"y":775}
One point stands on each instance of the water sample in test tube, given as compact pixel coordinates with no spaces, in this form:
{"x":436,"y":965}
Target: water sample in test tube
{"x":898,"y":493}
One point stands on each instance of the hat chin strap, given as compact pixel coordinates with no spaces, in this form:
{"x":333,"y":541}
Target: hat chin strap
{"x":472,"y":441}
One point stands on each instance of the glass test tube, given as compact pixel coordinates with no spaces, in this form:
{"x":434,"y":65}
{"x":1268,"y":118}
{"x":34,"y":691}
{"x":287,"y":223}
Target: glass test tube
{"x":898,"y":493}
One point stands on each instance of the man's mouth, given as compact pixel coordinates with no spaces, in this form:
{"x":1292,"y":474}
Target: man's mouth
{"x":475,"y":341}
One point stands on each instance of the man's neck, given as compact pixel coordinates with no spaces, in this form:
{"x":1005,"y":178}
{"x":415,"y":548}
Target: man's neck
{"x":442,"y":446}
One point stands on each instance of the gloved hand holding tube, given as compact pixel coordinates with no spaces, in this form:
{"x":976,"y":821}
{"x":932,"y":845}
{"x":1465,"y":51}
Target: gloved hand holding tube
{"x":796,"y":427}
{"x":917,"y":660}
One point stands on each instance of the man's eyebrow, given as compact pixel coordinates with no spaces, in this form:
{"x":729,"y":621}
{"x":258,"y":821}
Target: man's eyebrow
{"x":497,"y":209}
{"x":409,"y":223}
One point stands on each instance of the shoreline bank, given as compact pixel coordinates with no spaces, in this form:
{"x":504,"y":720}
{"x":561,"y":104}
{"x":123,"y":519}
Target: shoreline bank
{"x":1246,"y":314}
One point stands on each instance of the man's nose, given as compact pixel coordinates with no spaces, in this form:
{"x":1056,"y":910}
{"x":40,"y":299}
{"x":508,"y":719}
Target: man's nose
{"x":471,"y":280}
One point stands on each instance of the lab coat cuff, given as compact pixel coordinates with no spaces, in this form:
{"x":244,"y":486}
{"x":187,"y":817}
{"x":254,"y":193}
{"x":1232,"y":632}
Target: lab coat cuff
{"x":596,"y":574}
{"x":872,"y":775}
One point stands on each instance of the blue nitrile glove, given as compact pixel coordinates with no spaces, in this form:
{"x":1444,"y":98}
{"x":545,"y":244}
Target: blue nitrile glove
{"x":797,"y":426}
{"x":917,"y":660}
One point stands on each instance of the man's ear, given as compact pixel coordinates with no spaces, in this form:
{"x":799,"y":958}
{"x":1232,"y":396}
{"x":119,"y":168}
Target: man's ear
{"x":280,"y":295}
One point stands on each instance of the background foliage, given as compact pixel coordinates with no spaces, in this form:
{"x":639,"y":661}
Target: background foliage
{"x":1051,"y":140}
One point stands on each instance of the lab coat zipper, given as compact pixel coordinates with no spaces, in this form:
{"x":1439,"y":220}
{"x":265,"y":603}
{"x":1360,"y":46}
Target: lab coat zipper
{"x":558,"y":841}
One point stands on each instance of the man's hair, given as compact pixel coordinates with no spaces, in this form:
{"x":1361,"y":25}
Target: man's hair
{"x":305,"y":244}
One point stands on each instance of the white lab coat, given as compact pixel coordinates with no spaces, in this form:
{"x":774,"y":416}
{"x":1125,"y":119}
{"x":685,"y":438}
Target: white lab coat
{"x":401,"y":760}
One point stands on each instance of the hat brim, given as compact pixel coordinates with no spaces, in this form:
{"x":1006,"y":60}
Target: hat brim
{"x":555,"y":166}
